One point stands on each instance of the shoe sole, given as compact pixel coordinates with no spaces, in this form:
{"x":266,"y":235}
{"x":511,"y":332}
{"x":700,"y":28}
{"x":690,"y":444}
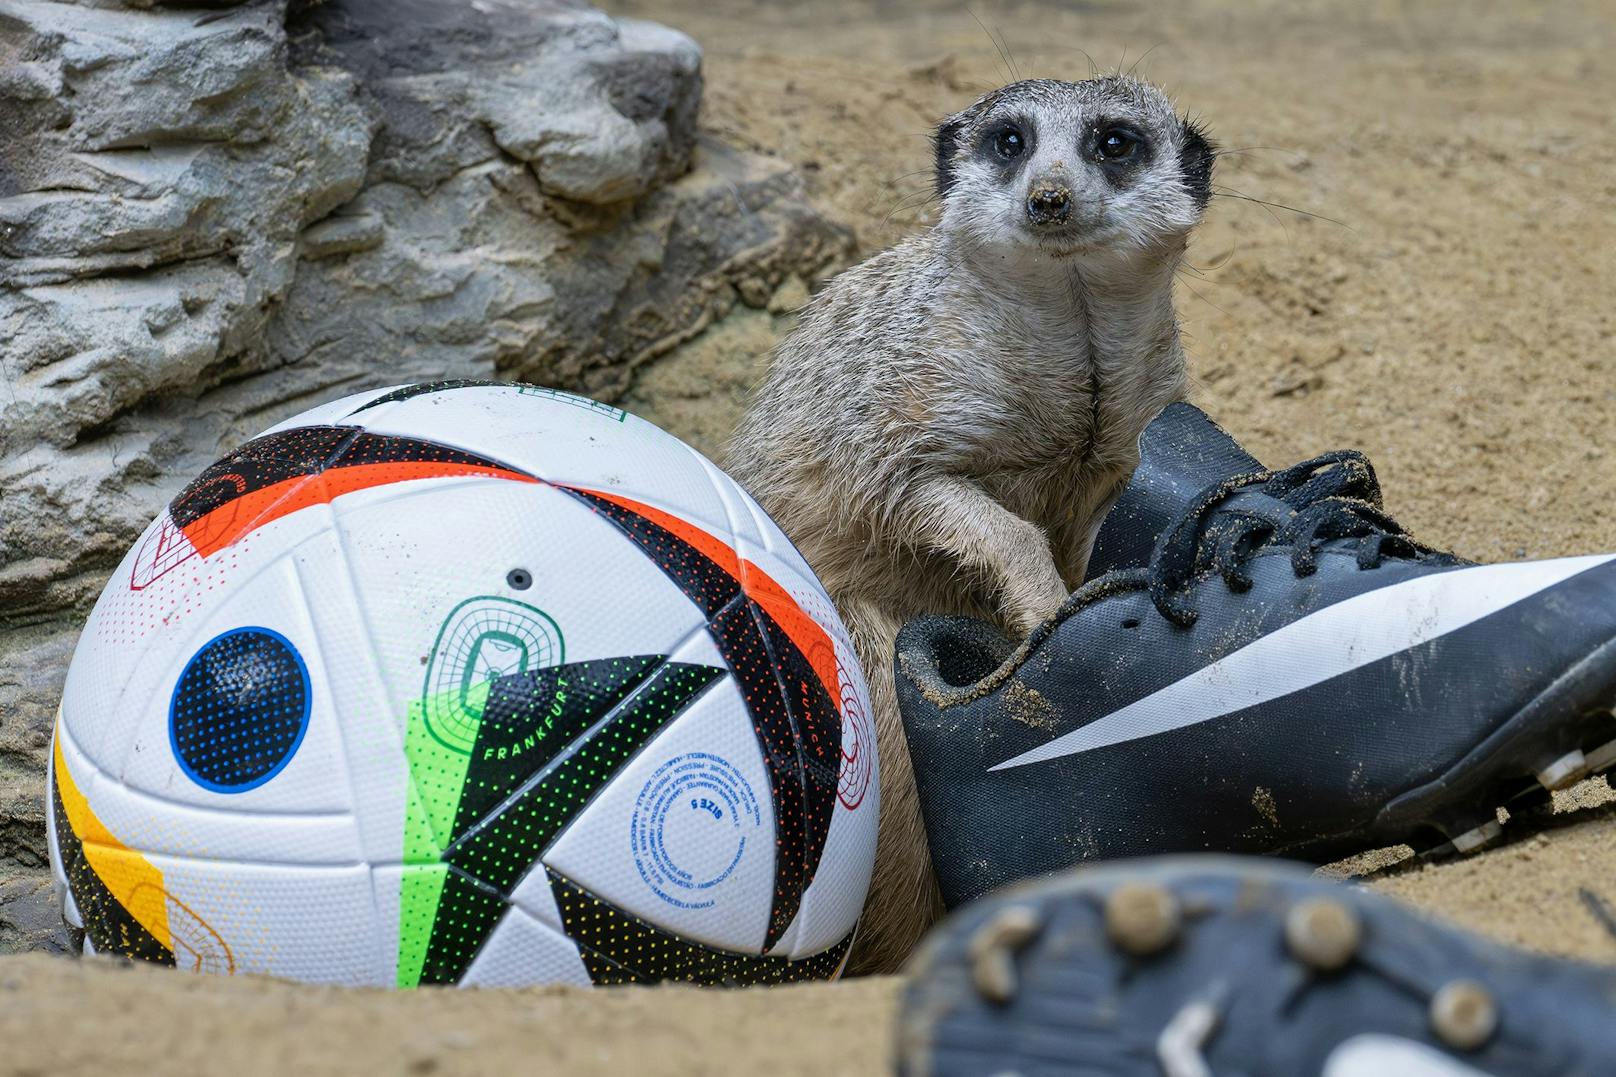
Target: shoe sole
{"x":1199,"y":965}
{"x":1518,"y":768}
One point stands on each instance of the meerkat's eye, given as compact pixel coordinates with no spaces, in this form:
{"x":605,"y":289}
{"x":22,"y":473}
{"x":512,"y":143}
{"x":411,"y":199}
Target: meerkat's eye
{"x":1009,"y":143}
{"x":1114,"y":144}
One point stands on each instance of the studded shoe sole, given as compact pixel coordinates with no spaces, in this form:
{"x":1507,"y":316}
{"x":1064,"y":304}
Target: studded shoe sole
{"x":1200,"y":966}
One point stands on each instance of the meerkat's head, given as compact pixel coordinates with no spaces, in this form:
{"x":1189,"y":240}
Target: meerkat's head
{"x":1073,"y":168}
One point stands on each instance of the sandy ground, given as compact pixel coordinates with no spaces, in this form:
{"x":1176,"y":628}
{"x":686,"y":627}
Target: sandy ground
{"x":58,"y":1016}
{"x":1438,"y":296}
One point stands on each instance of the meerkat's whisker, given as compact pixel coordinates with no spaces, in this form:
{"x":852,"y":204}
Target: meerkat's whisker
{"x":909,"y":201}
{"x":1225,"y":192}
{"x":1244,"y":151}
{"x":895,"y":180}
{"x":1135,"y":65}
{"x":905,"y":205}
{"x":1218,"y":262}
{"x":1004,"y":49}
{"x":1198,"y":295}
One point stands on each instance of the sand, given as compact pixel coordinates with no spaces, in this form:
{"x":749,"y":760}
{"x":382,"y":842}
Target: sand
{"x":1440,"y":300}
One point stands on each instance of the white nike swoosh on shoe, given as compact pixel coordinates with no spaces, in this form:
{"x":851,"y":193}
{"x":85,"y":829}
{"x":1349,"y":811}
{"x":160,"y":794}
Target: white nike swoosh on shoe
{"x":1372,"y":1055}
{"x":1326,"y":643}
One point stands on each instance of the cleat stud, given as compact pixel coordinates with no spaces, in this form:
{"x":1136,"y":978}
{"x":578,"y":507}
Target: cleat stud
{"x":1464,"y":1014}
{"x":1323,"y":933}
{"x":1564,"y":772}
{"x":1602,"y":758}
{"x":1438,"y":853}
{"x":1478,"y":837}
{"x":1141,"y":919}
{"x":992,"y":949}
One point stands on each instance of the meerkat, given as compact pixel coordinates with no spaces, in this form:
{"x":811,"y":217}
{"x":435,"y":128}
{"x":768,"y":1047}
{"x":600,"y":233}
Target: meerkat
{"x":948,"y":422}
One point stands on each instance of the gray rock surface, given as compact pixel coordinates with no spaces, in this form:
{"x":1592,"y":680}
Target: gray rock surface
{"x":213,"y":217}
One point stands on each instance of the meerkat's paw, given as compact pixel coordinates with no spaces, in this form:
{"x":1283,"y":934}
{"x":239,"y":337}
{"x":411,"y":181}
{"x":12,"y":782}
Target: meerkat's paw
{"x":1027,"y":607}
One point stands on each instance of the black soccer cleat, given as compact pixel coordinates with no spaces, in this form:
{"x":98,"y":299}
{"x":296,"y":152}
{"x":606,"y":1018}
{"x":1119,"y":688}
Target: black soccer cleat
{"x":1194,"y":966}
{"x":1284,"y":671}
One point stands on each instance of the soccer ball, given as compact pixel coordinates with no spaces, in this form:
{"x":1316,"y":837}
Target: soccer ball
{"x":466,"y":683}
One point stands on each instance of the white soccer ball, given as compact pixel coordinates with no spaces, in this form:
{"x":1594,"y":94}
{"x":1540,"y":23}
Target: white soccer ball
{"x":466,"y":683}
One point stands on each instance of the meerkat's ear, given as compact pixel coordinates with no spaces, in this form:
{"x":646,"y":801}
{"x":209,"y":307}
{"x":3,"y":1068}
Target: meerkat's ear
{"x":945,"y":143}
{"x":1196,"y":153}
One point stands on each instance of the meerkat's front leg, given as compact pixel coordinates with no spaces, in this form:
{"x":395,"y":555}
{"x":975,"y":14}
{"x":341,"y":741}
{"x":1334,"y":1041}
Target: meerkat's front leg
{"x":958,"y":517}
{"x":1072,"y":538}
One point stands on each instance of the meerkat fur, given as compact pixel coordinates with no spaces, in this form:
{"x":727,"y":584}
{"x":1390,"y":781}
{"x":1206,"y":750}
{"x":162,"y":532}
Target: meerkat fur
{"x":949,"y":420}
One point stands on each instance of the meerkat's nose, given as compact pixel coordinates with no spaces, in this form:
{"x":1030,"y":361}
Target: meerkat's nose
{"x":1049,"y":205}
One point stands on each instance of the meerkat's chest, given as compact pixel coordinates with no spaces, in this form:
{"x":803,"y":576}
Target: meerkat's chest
{"x":1055,"y":403}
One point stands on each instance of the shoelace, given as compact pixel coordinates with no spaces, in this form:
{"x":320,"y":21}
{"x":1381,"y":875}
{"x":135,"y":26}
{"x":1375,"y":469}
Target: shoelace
{"x":1334,"y":496}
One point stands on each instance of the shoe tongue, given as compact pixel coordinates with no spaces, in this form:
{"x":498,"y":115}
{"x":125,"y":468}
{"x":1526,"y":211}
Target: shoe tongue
{"x":1181,"y":453}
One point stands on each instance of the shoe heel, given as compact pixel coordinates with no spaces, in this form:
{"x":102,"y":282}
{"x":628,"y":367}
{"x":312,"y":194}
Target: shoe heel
{"x":948,"y":658}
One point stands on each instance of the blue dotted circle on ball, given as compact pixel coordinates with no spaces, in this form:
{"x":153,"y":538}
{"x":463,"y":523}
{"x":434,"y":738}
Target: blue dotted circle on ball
{"x":240,"y":710}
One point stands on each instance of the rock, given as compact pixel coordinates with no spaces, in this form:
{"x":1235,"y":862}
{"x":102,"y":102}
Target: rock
{"x":347,"y":234}
{"x":601,"y":110}
{"x":30,"y":682}
{"x":789,"y":297}
{"x":214,"y":216}
{"x":30,"y":918}
{"x":151,"y":224}
{"x":465,"y":278}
